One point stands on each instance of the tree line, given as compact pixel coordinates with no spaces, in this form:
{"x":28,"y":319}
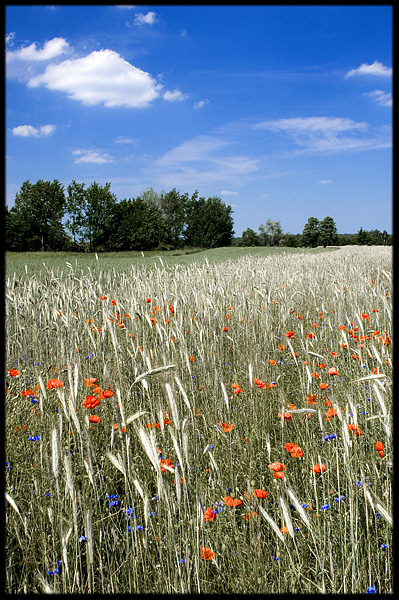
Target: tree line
{"x":48,"y":217}
{"x":315,"y":233}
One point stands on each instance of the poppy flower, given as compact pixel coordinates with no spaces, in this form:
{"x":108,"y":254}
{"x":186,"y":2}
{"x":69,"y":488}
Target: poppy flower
{"x":54,"y":383}
{"x":260,"y":493}
{"x":13,"y":372}
{"x":365,"y":316}
{"x":91,"y":402}
{"x":318,"y":468}
{"x":166,"y":420}
{"x":323,"y":386}
{"x":192,"y":359}
{"x":90,"y":382}
{"x":168,"y":463}
{"x":153,"y":321}
{"x":94,"y":419}
{"x":284,"y":529}
{"x":357,"y":430}
{"x":289,"y":334}
{"x":207,"y":554}
{"x":108,"y":393}
{"x":287,"y":416}
{"x":272,"y":361}
{"x":224,"y":329}
{"x":171,"y":309}
{"x":331,"y":412}
{"x":311,"y":399}
{"x":333,"y":371}
{"x":379,"y":446}
{"x":310,"y":336}
{"x":113,"y":302}
{"x":277,"y":466}
{"x":279,"y":475}
{"x":381,"y":453}
{"x":209,"y":515}
{"x":26,"y":393}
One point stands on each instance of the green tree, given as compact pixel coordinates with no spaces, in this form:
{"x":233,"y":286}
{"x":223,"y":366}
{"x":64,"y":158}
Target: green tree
{"x":173,"y":205}
{"x":249,"y":238}
{"x":37,"y":216}
{"x":328,"y":234}
{"x":209,"y":223}
{"x":310,"y":233}
{"x":76,"y":205}
{"x":100,"y":204}
{"x":363,"y":238}
{"x":275,"y":231}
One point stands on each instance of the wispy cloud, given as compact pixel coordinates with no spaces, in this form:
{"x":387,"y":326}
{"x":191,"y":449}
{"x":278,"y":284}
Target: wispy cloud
{"x":51,"y":49}
{"x":91,"y":156}
{"x":327,"y":134}
{"x":325,"y":181}
{"x":382,"y":98}
{"x":175,"y":96}
{"x":148,"y":19}
{"x":376,"y":69}
{"x":200,"y":103}
{"x":102,"y":77}
{"x":30,"y":131}
{"x":228,"y":193}
{"x":124,"y":140}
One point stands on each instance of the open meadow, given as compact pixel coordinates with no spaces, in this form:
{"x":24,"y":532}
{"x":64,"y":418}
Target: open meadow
{"x":199,"y":424}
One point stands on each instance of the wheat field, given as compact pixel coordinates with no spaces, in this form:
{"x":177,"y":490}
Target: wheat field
{"x":200,"y":427}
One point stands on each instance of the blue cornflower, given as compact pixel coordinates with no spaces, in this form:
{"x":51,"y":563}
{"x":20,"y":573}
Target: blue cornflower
{"x":50,"y":573}
{"x":324,"y":507}
{"x":292,"y":507}
{"x":82,"y":538}
{"x":110,"y":496}
{"x":152,"y":514}
{"x":113,"y":503}
{"x":128,"y":511}
{"x":342,"y":497}
{"x":371,"y":590}
{"x":57,"y":571}
{"x":8,"y":466}
{"x":181,"y":561}
{"x":229,"y":490}
{"x":276,"y":558}
{"x":34,"y":438}
{"x":139,"y":528}
{"x":385,"y":546}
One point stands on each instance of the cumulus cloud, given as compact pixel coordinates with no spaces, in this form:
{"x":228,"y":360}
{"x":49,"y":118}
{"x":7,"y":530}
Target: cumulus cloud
{"x":90,"y":156}
{"x":327,"y":134}
{"x":51,"y":49}
{"x":102,"y":77}
{"x":200,"y":103}
{"x":376,"y":69}
{"x":148,"y":19}
{"x":175,"y":96}
{"x":29,"y":131}
{"x":383,"y":98}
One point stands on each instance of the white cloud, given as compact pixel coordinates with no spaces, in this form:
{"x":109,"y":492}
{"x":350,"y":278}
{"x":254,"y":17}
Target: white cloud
{"x":90,"y":156}
{"x":175,"y":96}
{"x":228,"y":193}
{"x":383,"y":98}
{"x":123,"y":140}
{"x":29,"y":131}
{"x":328,"y":134}
{"x":10,"y":37}
{"x":51,"y":49}
{"x":324,"y":181}
{"x":377,"y":69}
{"x":100,"y":77}
{"x":148,"y":19}
{"x":200,"y":103}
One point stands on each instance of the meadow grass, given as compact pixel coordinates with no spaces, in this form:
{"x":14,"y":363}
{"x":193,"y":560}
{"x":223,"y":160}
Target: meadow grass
{"x":193,"y":367}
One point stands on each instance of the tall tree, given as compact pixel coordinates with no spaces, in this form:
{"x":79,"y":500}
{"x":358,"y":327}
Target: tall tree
{"x":209,"y":223}
{"x":363,"y":238}
{"x":37,"y":215}
{"x":310,"y":233}
{"x":100,"y":204}
{"x":76,"y":204}
{"x":173,"y":205}
{"x":328,"y":234}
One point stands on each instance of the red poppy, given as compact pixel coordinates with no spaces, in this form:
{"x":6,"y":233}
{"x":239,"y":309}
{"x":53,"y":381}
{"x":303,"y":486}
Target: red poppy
{"x":323,"y":386}
{"x":54,"y":383}
{"x":113,"y":302}
{"x":318,"y":468}
{"x":310,"y":336}
{"x":279,"y":475}
{"x":333,"y":371}
{"x":26,"y":393}
{"x":331,"y":412}
{"x":287,"y":416}
{"x":168,"y":463}
{"x":260,"y":493}
{"x":94,"y":419}
{"x":226,"y":427}
{"x":91,"y":402}
{"x":277,"y":466}
{"x":13,"y":372}
{"x":379,"y":446}
{"x":108,"y":393}
{"x":381,"y":453}
{"x":207,"y":554}
{"x":289,"y":334}
{"x":90,"y":382}
{"x":272,"y":361}
{"x":365,"y":316}
{"x":284,"y":529}
{"x":209,"y":515}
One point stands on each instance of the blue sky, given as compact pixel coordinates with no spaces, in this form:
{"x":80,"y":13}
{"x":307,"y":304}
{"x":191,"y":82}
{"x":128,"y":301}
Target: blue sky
{"x":284,"y":112}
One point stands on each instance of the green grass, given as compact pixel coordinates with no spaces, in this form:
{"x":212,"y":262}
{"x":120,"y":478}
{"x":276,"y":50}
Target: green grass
{"x":22,"y":263}
{"x":79,"y":477}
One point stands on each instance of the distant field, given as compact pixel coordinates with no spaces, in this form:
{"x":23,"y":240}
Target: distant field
{"x":122,"y":261}
{"x":216,"y":423}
